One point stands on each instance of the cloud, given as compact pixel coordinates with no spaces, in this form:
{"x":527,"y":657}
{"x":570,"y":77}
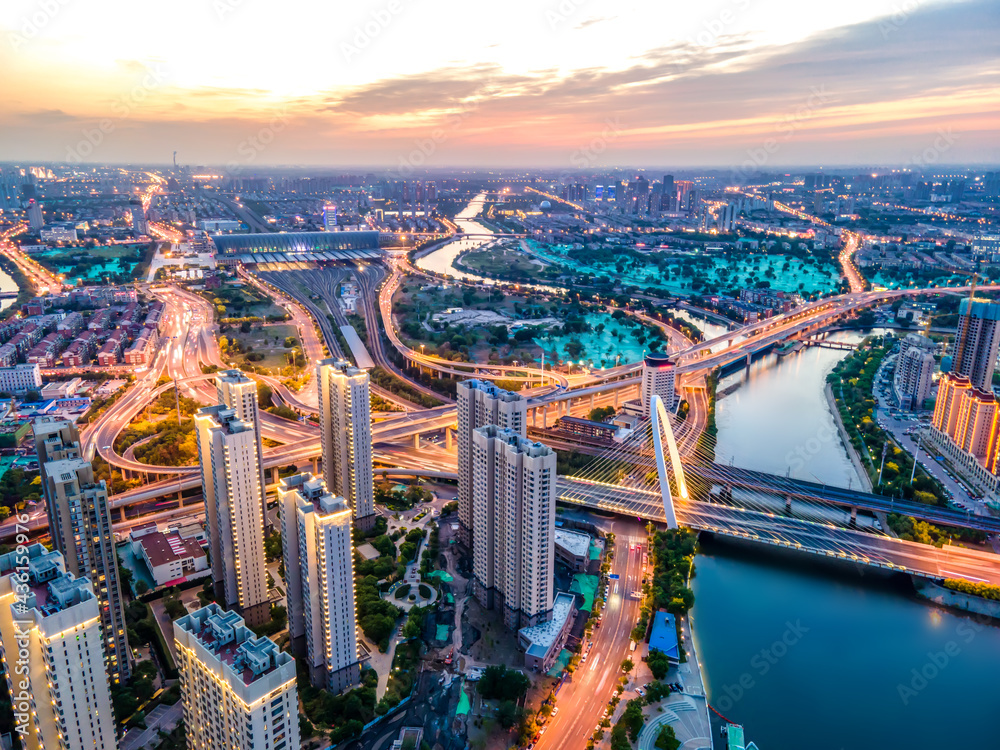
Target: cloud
{"x":886,"y":85}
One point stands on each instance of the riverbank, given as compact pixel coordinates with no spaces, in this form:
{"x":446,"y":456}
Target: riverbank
{"x":845,"y":438}
{"x":956,"y":600}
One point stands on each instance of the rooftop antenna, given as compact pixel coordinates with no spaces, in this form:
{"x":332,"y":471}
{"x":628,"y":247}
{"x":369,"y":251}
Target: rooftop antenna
{"x":175,"y":161}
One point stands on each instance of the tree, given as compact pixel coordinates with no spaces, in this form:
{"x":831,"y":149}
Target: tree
{"x":601,"y":413}
{"x":508,"y":714}
{"x":264,"y":394}
{"x":658,"y":663}
{"x":499,"y":682}
{"x":667,"y":739}
{"x":627,"y":666}
{"x":174,"y":607}
{"x":272,"y":546}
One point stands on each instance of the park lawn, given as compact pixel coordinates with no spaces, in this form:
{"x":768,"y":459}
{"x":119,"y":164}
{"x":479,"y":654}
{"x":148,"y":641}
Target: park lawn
{"x":245,"y":302}
{"x":262,"y":339}
{"x":500,"y":260}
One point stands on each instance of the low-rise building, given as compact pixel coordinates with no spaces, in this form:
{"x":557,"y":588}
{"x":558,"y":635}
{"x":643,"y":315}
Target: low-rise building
{"x":663,"y":636}
{"x":142,"y":348}
{"x":20,"y":378}
{"x":169,"y":557}
{"x":573,"y":549}
{"x":59,"y":389}
{"x":111,"y":352}
{"x":543,"y":642}
{"x":80,"y":350}
{"x":44,"y":353}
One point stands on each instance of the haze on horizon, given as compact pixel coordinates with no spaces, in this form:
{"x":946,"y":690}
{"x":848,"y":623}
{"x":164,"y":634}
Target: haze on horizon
{"x":570,"y":84}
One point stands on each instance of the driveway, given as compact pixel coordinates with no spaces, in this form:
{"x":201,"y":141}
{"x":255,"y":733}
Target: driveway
{"x":162,"y":718}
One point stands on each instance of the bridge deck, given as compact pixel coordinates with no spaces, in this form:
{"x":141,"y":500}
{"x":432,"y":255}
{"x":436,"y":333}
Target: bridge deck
{"x":849,"y":545}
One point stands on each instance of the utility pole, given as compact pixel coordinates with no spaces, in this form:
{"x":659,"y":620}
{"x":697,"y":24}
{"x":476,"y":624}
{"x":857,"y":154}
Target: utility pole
{"x":885,"y":449}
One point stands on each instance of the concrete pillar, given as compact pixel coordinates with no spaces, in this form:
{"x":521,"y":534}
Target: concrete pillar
{"x":447,"y":437}
{"x":534,"y":417}
{"x":416,"y":441}
{"x":121,"y":513}
{"x":315,"y":463}
{"x":592,"y":395}
{"x":854,"y":516}
{"x":545,"y":416}
{"x":616,"y":397}
{"x":274,"y":475}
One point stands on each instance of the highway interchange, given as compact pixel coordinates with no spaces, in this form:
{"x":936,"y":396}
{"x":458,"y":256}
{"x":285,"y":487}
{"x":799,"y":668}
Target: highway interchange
{"x":190,"y":342}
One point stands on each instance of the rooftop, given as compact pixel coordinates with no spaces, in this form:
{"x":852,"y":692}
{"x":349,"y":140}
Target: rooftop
{"x":663,"y":637}
{"x":515,"y":441}
{"x":491,"y":389}
{"x":161,"y":548}
{"x":50,"y":588}
{"x":226,"y":636}
{"x":574,"y":542}
{"x":543,"y":635}
{"x":358,"y":350}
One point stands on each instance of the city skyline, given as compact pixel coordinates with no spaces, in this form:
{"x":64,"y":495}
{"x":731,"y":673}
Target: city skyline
{"x":574,"y":85}
{"x":392,"y":376}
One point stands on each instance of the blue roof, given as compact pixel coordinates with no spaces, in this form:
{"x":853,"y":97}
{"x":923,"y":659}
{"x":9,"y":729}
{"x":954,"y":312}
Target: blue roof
{"x":664,"y":635}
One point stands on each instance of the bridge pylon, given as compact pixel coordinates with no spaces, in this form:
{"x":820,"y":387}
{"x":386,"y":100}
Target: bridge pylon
{"x":663,"y":433}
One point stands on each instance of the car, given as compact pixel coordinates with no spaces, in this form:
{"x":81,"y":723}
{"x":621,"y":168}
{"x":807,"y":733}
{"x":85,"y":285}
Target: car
{"x":639,"y":692}
{"x":555,"y":710}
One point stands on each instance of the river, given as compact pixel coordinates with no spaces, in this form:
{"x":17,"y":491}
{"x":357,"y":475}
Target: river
{"x":7,"y":285}
{"x":808,"y":656}
{"x":442,"y":260}
{"x":804,"y":655}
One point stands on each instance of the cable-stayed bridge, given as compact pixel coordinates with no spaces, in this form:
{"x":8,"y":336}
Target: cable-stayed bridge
{"x":645,"y":476}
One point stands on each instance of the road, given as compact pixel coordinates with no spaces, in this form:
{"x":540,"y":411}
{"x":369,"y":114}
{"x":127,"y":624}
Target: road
{"x":585,"y":696}
{"x":40,"y":278}
{"x":851,"y":546}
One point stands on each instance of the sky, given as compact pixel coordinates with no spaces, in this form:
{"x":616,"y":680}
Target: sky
{"x":572,"y":84}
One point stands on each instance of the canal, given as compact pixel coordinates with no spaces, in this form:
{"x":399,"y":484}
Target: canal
{"x":806,"y":655}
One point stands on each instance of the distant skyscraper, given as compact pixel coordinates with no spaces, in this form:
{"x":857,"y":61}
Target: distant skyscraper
{"x":35,"y":219}
{"x":236,"y":391}
{"x":238,"y":691}
{"x":345,"y":425}
{"x":139,"y":225}
{"x":330,"y":217}
{"x":50,"y":623}
{"x":230,"y":481}
{"x":80,"y":526}
{"x":479,"y":404}
{"x":319,"y":574}
{"x":977,"y":341}
{"x":668,"y":200}
{"x":514,"y":511}
{"x":659,"y":378}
